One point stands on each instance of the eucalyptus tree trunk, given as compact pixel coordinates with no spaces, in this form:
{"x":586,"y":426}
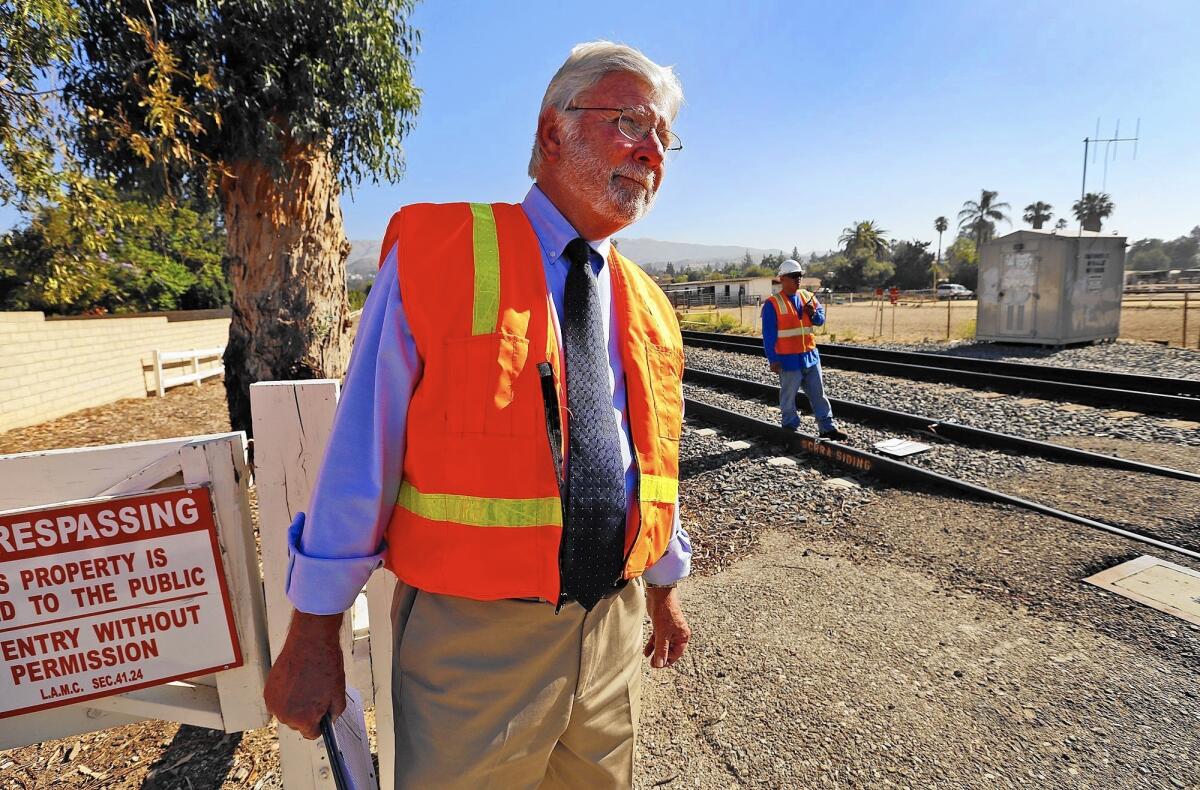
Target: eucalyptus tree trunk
{"x":287,"y":250}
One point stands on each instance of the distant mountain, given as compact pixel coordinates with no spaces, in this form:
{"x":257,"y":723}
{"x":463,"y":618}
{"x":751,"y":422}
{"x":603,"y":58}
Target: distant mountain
{"x":652,"y":252}
{"x":364,"y":254}
{"x":364,"y":258}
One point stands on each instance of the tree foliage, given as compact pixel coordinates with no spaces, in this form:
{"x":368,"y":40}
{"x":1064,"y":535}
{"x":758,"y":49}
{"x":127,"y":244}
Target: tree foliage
{"x":1092,"y":209}
{"x":864,"y":238}
{"x":980,"y":216}
{"x":1156,"y":255}
{"x":962,"y":262}
{"x":37,"y":172}
{"x":161,"y":257}
{"x":35,"y":37}
{"x":175,"y":91}
{"x":1038,"y":214}
{"x":913,"y":264}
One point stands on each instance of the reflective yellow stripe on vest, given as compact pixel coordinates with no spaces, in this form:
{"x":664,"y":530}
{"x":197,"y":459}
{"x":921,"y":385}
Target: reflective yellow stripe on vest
{"x":803,"y":330}
{"x":487,"y":269}
{"x":654,"y":488}
{"x":478,"y":511}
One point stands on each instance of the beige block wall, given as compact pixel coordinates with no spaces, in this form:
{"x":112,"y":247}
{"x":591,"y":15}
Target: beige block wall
{"x":52,"y":368}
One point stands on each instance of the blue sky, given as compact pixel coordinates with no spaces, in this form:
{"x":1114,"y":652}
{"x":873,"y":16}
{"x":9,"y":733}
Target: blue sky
{"x":804,"y":117}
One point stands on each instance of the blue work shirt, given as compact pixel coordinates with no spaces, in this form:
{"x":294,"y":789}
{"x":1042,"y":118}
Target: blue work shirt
{"x":770,"y":333}
{"x":335,"y":548}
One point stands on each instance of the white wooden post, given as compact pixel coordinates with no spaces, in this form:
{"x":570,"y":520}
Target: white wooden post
{"x":158,"y":373}
{"x":222,"y":464}
{"x":292,"y":421}
{"x":380,"y":590}
{"x":196,"y":367}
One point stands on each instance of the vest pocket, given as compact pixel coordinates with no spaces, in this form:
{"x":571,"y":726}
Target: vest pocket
{"x":484,"y":388}
{"x":666,"y":371}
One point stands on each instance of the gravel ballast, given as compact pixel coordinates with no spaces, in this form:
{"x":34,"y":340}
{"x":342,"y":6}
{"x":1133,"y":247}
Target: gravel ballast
{"x":1036,"y":419}
{"x":1124,"y":356}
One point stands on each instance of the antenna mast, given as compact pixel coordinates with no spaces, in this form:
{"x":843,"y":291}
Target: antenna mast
{"x":1108,"y":141}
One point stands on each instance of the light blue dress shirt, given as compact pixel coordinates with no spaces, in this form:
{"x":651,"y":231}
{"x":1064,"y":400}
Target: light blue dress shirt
{"x":770,"y":333}
{"x":335,"y":548}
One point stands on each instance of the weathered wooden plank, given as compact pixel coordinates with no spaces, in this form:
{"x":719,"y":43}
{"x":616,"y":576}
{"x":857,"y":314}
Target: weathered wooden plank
{"x":182,"y":702}
{"x":222,"y":463}
{"x":49,"y":725}
{"x":292,"y":422}
{"x":380,"y":590}
{"x":50,"y":476}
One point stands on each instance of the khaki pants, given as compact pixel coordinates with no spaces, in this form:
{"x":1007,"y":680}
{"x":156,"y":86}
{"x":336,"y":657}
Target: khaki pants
{"x":507,"y":694}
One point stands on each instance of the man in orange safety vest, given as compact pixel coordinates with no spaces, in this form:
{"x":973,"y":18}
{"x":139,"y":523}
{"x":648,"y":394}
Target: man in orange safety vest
{"x":788,"y":319}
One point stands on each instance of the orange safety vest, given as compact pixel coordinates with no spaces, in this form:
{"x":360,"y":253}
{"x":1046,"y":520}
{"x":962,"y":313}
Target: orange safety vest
{"x":795,"y":329}
{"x":479,"y":514}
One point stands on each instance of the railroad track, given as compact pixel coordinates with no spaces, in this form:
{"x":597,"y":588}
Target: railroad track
{"x":859,"y":460}
{"x":1155,"y":394}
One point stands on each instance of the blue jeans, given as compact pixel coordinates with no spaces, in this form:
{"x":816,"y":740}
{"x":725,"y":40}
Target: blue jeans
{"x":790,"y":382}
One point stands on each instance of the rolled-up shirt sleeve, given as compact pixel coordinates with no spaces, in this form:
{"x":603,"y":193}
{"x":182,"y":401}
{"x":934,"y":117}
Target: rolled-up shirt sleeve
{"x":334,"y":548}
{"x":676,"y":562}
{"x":769,"y":332}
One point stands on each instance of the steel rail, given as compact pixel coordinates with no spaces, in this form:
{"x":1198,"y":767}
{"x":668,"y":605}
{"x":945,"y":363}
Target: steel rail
{"x":944,"y":429}
{"x":1179,"y":405}
{"x":888,"y":468}
{"x":1164,"y":385}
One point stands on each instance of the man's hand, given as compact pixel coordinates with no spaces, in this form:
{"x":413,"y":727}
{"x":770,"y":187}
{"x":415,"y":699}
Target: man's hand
{"x":308,"y":680}
{"x":669,"y":632}
{"x":776,"y":367}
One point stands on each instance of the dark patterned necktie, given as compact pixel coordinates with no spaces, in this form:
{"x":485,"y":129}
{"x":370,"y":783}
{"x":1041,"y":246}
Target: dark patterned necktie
{"x":593,"y":544}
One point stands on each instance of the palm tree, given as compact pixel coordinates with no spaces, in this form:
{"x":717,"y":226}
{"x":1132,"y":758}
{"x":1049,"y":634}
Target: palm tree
{"x":1037,"y":214}
{"x":941,"y":225}
{"x":1092,"y":209}
{"x":981,"y":217}
{"x":1061,"y":224}
{"x":864,"y":238}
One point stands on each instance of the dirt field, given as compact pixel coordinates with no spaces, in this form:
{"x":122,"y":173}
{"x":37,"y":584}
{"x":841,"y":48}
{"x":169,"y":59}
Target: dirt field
{"x":926,"y":321}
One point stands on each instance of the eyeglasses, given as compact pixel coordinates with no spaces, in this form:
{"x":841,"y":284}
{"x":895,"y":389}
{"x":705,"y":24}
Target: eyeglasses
{"x":637,"y":127}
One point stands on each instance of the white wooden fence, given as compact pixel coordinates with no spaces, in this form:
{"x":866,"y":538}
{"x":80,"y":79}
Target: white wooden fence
{"x":163,"y":382}
{"x":230,"y":700}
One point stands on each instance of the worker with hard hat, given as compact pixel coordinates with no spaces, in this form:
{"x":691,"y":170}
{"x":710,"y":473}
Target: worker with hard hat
{"x":788,"y":319}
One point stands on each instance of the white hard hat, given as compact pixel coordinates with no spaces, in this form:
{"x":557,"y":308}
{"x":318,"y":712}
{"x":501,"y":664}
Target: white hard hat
{"x":790,"y":267}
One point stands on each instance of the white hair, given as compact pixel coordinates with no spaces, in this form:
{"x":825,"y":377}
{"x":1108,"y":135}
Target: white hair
{"x":587,"y":64}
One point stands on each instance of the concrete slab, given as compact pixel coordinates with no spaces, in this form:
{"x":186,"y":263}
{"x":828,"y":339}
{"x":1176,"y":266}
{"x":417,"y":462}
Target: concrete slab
{"x":1183,"y":425}
{"x":1030,"y":401}
{"x":1156,"y":583}
{"x":706,"y":432}
{"x":783,"y":460}
{"x":841,"y":482}
{"x":985,"y":395}
{"x":1122,"y":415}
{"x":738,"y":445}
{"x":1073,"y":408}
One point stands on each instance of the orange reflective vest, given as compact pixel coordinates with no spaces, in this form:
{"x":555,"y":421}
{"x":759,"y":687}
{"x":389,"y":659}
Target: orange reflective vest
{"x":479,"y":514}
{"x":795,"y":329}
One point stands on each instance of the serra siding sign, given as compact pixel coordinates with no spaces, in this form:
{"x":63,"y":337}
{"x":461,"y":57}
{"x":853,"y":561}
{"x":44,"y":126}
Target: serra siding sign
{"x":108,"y":595}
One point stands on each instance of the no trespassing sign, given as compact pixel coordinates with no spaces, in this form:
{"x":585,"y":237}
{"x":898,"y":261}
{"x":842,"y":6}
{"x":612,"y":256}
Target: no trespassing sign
{"x":109,"y":595}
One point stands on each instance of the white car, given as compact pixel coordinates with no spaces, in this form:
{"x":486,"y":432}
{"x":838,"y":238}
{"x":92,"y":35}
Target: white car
{"x":954,"y":291}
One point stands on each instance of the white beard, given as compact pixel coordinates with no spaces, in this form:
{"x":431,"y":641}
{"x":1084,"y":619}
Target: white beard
{"x":609,"y":192}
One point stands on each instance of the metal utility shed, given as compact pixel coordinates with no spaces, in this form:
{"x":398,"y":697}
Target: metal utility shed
{"x":1050,"y":287}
